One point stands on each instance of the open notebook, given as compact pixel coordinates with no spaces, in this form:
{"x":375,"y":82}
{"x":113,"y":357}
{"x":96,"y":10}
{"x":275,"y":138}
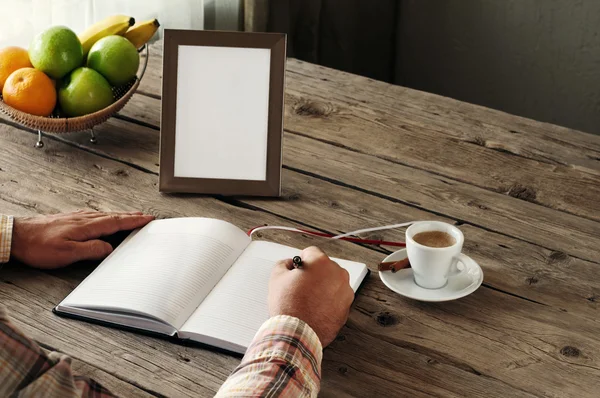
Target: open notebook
{"x":191,"y":278}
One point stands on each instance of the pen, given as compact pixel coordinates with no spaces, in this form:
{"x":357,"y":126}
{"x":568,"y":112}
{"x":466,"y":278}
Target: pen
{"x":297,"y":262}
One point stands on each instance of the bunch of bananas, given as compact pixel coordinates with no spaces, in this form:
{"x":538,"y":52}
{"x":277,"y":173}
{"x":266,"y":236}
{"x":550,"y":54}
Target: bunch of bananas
{"x":121,"y":25}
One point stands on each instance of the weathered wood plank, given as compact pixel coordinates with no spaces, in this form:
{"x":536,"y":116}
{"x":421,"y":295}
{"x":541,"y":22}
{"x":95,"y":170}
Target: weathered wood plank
{"x":462,"y":201}
{"x":496,"y":330}
{"x":467,"y":122}
{"x":319,"y":110}
{"x":364,"y":367}
{"x":492,"y":211}
{"x":408,"y":327}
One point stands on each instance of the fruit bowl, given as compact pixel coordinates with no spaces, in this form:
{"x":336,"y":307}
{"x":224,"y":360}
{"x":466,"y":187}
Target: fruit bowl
{"x":57,"y":123}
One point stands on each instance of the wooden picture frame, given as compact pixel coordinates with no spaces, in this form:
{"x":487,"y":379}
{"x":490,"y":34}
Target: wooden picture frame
{"x":222,"y":112}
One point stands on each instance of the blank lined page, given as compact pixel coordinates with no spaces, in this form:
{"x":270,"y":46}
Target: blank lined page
{"x":237,"y":307}
{"x":164,"y":270}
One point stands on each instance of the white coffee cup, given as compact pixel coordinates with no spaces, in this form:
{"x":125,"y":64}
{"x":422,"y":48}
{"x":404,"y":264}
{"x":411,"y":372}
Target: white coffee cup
{"x":432,"y":266}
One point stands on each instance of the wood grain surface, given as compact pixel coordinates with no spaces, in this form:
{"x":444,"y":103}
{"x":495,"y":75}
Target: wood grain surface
{"x":356,"y":153}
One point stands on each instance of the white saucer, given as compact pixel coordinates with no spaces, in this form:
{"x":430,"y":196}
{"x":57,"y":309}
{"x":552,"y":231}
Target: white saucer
{"x":458,"y":286}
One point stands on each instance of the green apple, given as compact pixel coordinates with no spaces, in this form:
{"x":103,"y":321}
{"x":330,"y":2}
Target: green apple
{"x":84,"y":91}
{"x":115,"y":58}
{"x":56,"y":51}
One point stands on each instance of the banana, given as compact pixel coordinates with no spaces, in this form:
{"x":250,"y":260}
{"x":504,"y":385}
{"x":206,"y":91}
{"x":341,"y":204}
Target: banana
{"x":140,"y":33}
{"x":115,"y":25}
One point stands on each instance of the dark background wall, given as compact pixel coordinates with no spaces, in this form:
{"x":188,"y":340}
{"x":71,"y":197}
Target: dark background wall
{"x":535,"y":58}
{"x":358,"y":36}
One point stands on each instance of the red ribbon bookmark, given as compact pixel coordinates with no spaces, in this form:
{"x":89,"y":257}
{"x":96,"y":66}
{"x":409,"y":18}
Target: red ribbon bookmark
{"x":326,"y":235}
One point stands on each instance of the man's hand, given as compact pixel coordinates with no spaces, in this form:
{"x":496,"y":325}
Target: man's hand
{"x":318,"y":293}
{"x":56,"y":241}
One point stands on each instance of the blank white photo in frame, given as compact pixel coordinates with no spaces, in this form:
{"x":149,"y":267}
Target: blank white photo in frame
{"x":222,"y":112}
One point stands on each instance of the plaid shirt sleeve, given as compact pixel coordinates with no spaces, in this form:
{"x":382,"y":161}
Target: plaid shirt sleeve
{"x":6,"y":227}
{"x":27,"y":371}
{"x":284,"y":360}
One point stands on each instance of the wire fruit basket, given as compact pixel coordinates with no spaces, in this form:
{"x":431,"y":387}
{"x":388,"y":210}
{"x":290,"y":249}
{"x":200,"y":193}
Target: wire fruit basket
{"x":57,"y":123}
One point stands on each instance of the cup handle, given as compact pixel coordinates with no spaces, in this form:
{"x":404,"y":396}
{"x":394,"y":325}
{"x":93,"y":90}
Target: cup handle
{"x":462,"y":258}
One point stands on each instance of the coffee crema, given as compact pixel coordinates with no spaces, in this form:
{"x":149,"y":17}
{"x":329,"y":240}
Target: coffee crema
{"x":434,"y":239}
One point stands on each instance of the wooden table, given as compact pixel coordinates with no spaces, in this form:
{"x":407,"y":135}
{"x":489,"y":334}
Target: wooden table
{"x":357,"y":153}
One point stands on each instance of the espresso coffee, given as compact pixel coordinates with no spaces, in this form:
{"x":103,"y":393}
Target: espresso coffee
{"x":434,"y":239}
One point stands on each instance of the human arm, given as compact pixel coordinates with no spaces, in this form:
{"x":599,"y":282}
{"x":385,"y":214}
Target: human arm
{"x":28,"y":371}
{"x":58,"y":240}
{"x":308,"y":307}
{"x":51,"y":242}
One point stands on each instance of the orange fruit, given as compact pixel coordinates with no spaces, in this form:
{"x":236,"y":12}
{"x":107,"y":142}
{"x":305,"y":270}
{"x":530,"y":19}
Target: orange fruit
{"x":31,"y":91}
{"x":11,"y":59}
